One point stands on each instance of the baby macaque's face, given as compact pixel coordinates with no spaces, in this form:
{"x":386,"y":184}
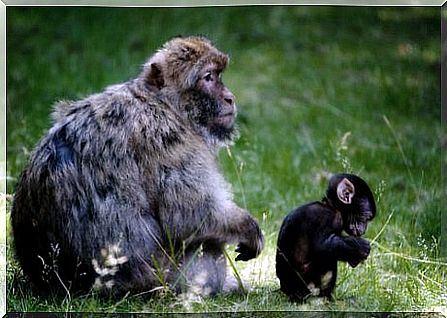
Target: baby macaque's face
{"x":353,"y":198}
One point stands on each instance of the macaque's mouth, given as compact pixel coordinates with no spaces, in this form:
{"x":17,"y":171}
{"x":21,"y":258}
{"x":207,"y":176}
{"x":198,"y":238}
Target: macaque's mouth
{"x":226,"y":120}
{"x":228,"y":114}
{"x":346,"y":233}
{"x":226,"y":117}
{"x":357,"y":233}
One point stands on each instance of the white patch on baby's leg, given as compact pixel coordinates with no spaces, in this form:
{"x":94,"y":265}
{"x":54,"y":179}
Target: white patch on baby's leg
{"x":326,"y":279}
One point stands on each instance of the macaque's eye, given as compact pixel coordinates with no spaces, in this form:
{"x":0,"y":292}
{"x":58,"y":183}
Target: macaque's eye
{"x":208,"y":77}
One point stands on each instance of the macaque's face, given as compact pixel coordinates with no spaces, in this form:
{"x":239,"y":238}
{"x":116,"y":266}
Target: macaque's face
{"x":355,"y":201}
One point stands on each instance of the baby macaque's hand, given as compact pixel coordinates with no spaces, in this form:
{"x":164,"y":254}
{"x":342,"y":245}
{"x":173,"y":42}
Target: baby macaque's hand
{"x":361,"y":251}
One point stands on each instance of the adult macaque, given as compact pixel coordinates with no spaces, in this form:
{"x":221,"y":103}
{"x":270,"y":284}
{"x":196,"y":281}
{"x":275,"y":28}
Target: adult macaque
{"x":124,"y":191}
{"x":310,"y":241}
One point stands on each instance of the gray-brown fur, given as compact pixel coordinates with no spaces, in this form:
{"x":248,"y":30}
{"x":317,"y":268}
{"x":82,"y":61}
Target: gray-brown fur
{"x":131,"y":173}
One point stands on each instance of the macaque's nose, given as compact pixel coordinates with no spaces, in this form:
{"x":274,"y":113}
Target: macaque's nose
{"x":228,"y":97}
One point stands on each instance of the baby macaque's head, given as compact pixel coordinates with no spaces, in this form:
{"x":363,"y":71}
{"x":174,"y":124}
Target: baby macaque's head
{"x":352,"y":196}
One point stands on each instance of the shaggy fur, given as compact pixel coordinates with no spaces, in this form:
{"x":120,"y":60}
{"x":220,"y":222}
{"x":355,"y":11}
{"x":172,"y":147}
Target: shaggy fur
{"x":124,"y":192}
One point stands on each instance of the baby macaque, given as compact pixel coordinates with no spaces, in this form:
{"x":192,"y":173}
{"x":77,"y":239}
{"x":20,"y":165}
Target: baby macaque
{"x":310,"y":241}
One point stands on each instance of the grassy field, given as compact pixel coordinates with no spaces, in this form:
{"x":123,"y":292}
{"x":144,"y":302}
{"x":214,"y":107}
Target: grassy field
{"x":319,"y":89}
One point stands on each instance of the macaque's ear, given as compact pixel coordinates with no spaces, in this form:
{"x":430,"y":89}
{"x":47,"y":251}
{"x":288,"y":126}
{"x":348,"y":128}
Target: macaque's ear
{"x":155,"y":76}
{"x":345,"y":191}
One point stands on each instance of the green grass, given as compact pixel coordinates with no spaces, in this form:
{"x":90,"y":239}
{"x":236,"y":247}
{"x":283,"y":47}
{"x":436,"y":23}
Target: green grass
{"x":319,"y":90}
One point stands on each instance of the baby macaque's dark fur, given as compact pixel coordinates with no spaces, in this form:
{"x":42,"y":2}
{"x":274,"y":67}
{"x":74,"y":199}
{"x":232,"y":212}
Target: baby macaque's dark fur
{"x":124,"y":192}
{"x":310,"y":240}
